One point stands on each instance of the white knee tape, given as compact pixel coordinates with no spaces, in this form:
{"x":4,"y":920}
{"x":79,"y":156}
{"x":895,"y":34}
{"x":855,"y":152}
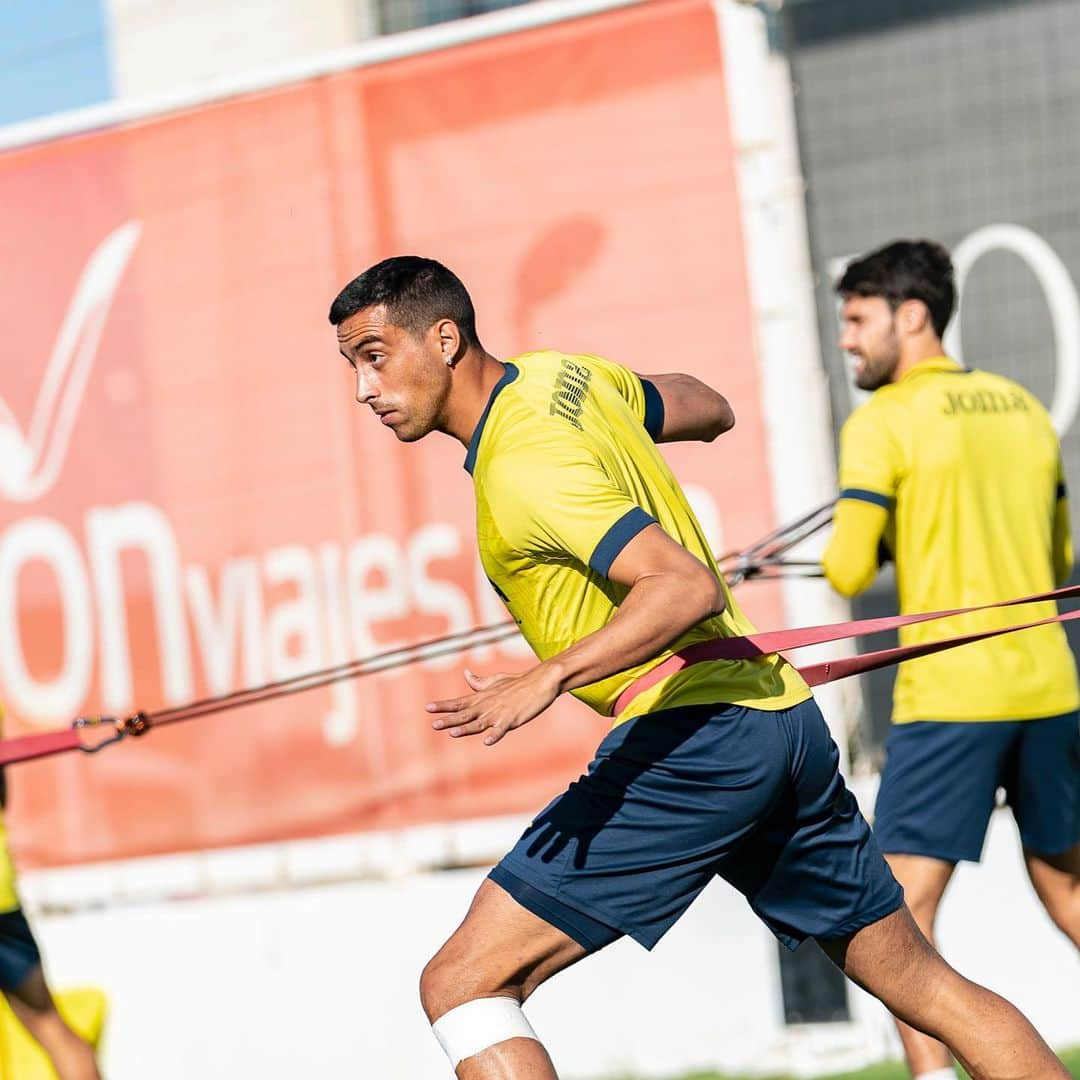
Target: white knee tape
{"x":478,"y":1024}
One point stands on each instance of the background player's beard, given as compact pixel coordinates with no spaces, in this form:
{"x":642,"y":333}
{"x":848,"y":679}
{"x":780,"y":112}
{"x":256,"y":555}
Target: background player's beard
{"x":878,"y":366}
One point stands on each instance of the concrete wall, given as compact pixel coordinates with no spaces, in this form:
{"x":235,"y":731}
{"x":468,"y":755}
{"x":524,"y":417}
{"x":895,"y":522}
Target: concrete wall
{"x":159,"y":45}
{"x":278,"y":980}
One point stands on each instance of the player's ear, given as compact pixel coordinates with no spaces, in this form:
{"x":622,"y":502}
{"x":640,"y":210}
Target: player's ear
{"x":449,"y":341}
{"x":914,"y":316}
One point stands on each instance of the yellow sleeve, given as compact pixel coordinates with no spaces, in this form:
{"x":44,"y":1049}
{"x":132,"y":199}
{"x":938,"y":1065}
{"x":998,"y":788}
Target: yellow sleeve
{"x":640,"y":394}
{"x":871,"y":467}
{"x":850,"y":561}
{"x":871,"y":459}
{"x":1062,"y":537}
{"x":560,"y":504}
{"x":9,"y":898}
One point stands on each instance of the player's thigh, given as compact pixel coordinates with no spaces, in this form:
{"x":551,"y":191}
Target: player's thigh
{"x":1056,"y":880}
{"x":1066,"y":863}
{"x":938,"y":787}
{"x":1044,"y":792}
{"x":31,"y":995}
{"x":500,"y":947}
{"x":34,"y":1008}
{"x":892,"y":960}
{"x":924,"y":881}
{"x":20,"y":962}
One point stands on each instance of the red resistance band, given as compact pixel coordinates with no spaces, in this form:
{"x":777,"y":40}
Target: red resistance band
{"x":778,"y":641}
{"x":44,"y":744}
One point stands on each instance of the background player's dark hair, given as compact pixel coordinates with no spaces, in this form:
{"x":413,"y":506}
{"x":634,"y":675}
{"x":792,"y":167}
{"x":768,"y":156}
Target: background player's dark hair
{"x":905,"y":270}
{"x":417,"y":293}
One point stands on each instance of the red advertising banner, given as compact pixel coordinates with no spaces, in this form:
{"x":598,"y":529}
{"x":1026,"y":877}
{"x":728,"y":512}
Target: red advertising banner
{"x":190,"y":500}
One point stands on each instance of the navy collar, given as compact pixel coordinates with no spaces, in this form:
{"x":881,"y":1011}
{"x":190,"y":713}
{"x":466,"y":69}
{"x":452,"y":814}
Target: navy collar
{"x":509,"y":375}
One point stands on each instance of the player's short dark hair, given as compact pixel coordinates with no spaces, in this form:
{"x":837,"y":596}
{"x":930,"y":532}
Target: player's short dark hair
{"x":905,"y":270}
{"x":416,"y":293}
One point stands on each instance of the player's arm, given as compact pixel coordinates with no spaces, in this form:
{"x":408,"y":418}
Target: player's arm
{"x":1062,"y":534}
{"x":683,"y":409}
{"x":669,"y":592}
{"x":854,"y":552}
{"x":572,"y":510}
{"x":871,"y":465}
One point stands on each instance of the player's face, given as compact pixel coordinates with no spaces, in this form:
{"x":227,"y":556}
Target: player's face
{"x":405,"y":380}
{"x":868,"y":332}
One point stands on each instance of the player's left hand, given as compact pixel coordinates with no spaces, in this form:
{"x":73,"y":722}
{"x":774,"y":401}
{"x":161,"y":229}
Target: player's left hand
{"x":498,"y":704}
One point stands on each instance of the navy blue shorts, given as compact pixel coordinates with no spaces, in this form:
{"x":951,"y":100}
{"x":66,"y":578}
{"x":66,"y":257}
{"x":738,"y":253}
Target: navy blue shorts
{"x":18,"y":950}
{"x":941,"y":777}
{"x":676,"y":797}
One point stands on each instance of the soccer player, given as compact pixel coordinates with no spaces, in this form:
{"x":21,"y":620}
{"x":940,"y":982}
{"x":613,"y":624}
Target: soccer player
{"x":958,"y":475}
{"x":712,"y":768}
{"x":22,"y":980}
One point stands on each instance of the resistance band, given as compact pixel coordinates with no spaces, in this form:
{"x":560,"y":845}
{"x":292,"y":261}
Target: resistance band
{"x":44,"y":744}
{"x":761,"y":560}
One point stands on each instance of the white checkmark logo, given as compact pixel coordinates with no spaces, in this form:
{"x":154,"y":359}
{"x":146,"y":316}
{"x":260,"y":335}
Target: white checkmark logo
{"x":30,"y":460}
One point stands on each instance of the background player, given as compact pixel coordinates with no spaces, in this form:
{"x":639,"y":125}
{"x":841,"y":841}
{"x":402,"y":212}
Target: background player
{"x":22,"y":978}
{"x":958,"y":473}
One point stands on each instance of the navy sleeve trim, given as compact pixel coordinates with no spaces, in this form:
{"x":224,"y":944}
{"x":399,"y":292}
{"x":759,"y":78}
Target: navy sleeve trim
{"x":865,"y":495}
{"x":884,"y":555}
{"x":617,"y":537}
{"x":654,"y":409}
{"x":1062,"y":491}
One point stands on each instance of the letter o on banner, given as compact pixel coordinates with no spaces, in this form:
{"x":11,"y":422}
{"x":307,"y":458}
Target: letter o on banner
{"x":1061,"y":297}
{"x":49,"y":542}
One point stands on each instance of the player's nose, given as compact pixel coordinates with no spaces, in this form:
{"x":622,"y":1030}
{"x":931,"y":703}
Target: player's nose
{"x":365,"y":389}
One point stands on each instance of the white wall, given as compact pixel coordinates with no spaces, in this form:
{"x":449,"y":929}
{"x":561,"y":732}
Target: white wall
{"x":159,"y":45}
{"x":321,"y":980}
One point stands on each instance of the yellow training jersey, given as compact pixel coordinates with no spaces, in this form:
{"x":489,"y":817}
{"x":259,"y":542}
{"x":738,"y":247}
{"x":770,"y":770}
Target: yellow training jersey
{"x":963,"y":469}
{"x":566,"y":474}
{"x":9,"y":900}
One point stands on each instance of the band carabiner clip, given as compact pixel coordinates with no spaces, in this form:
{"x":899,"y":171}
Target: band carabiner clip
{"x":135,"y":724}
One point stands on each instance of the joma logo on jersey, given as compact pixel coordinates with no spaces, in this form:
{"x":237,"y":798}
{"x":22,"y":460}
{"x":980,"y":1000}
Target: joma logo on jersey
{"x":984,"y":401}
{"x":571,"y":389}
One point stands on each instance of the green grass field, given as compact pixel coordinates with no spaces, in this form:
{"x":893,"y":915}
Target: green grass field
{"x":891,"y":1070}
